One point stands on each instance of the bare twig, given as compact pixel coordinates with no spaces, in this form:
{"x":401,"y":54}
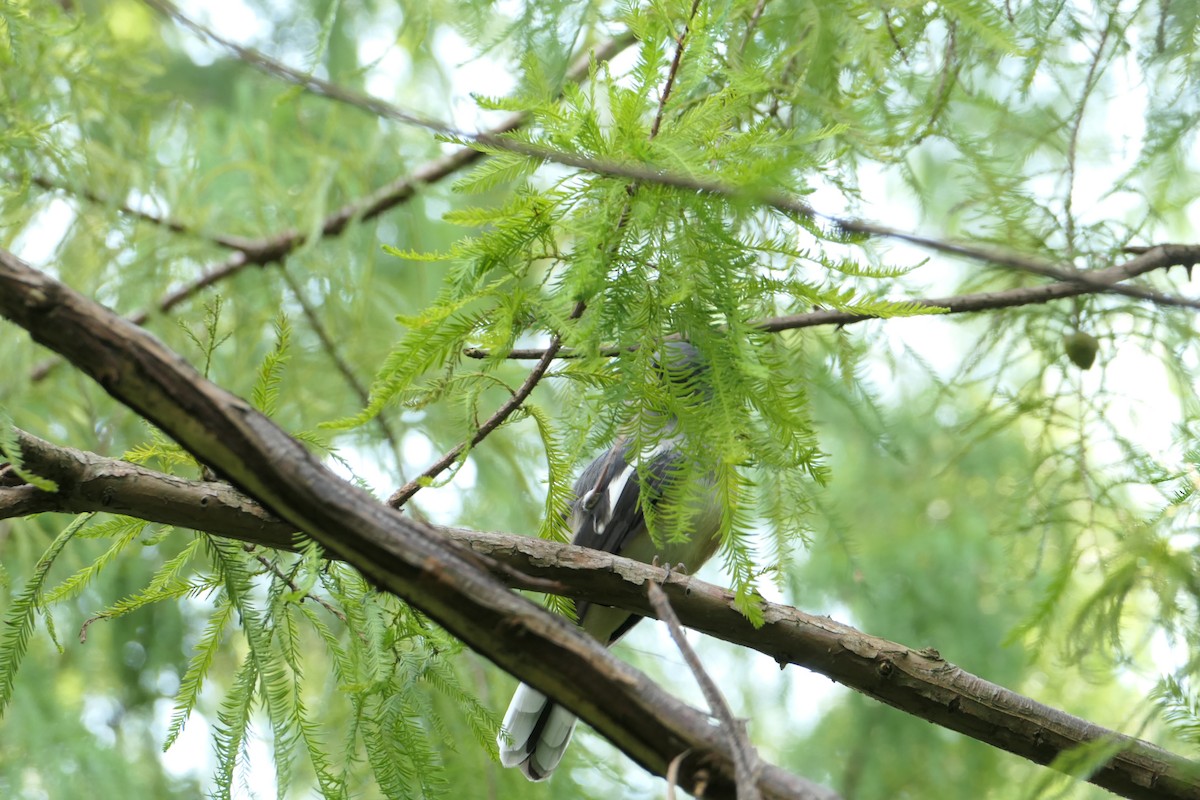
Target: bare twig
{"x":1016,"y":261}
{"x":1089,"y":84}
{"x":315,"y":85}
{"x":266,"y":64}
{"x":1160,"y":31}
{"x":405,"y":492}
{"x":173,"y":225}
{"x":745,"y":758}
{"x":887,"y":21}
{"x":949,"y":72}
{"x":752,"y":24}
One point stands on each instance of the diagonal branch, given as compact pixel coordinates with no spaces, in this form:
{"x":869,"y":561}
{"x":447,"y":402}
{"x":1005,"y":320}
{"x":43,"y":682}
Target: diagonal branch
{"x":1016,"y":261}
{"x":173,"y":225}
{"x":673,"y":72}
{"x":451,"y":584}
{"x":918,"y":682}
{"x":405,"y":492}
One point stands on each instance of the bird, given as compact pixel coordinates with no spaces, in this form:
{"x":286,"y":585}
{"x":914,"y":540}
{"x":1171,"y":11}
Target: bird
{"x":608,"y":512}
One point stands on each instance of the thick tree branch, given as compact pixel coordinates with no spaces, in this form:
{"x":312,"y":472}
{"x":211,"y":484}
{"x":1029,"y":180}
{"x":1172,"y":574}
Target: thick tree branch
{"x":408,"y":558}
{"x":918,"y":682}
{"x":89,"y":482}
{"x":1147,"y":260}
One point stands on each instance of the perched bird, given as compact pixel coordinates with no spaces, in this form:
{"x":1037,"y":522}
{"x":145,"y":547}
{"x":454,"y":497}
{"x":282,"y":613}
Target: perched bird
{"x":607,"y":513}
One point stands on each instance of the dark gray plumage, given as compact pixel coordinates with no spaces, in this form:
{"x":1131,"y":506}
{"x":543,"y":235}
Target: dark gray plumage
{"x":607,"y":513}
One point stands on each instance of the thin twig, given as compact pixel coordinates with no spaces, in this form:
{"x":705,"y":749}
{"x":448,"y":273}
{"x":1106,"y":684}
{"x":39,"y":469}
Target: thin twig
{"x":312,"y":84}
{"x":949,"y":71}
{"x":173,"y":225}
{"x":673,"y":71}
{"x":752,"y":24}
{"x":278,"y":573}
{"x":1089,"y":84}
{"x":887,"y":20}
{"x":746,"y":764}
{"x":1148,"y":259}
{"x":405,"y":492}
{"x":1160,"y":32}
{"x":1016,"y":261}
{"x":331,"y":350}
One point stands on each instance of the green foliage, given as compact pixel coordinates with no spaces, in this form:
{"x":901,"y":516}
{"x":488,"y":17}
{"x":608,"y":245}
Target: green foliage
{"x":202,"y":661}
{"x":160,"y":450}
{"x":122,"y":530}
{"x":558,"y":480}
{"x":1181,"y":708}
{"x":209,"y":336}
{"x":166,"y":584}
{"x":934,"y":480}
{"x":270,"y":375}
{"x":21,"y":613}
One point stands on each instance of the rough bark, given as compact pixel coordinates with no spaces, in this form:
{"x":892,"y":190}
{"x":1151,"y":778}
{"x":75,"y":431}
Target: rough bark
{"x":449,"y":582}
{"x":917,"y":681}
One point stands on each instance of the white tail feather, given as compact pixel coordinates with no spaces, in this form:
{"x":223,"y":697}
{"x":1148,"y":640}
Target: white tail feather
{"x":535,"y":748}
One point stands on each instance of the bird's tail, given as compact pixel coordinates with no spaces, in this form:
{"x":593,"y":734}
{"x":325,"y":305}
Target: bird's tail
{"x":536,"y":733}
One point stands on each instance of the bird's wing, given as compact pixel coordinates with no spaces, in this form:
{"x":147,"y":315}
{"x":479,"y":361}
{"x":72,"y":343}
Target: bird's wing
{"x":608,"y":515}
